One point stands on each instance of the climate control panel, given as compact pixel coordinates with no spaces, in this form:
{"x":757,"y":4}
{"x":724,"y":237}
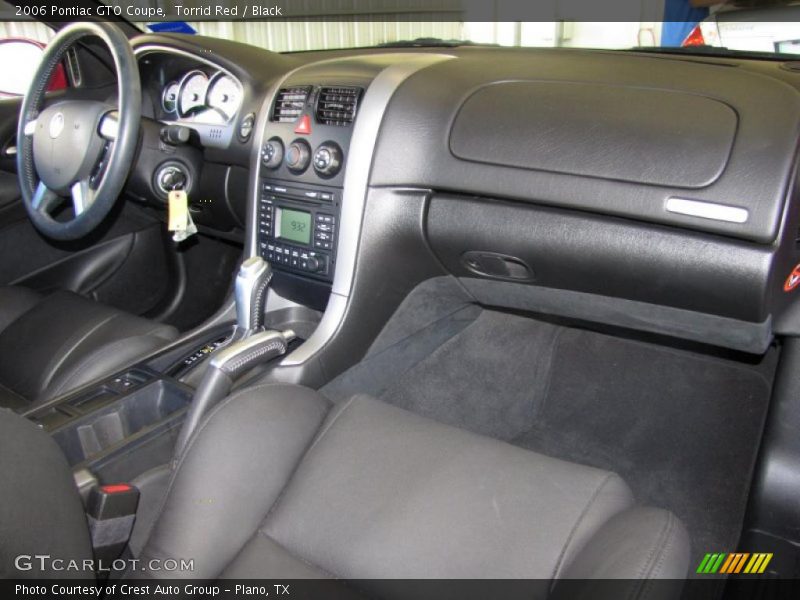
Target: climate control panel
{"x":298,"y":226}
{"x":326,"y":159}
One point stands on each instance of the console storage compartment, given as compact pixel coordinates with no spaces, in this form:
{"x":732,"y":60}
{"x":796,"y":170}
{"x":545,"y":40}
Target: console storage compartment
{"x":126,"y":424}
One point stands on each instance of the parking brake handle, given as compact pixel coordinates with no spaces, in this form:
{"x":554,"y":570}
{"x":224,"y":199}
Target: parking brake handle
{"x":225,"y":366}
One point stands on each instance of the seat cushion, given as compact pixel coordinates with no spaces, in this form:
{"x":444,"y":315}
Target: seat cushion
{"x":15,"y":301}
{"x":52,"y":344}
{"x":369,"y":491}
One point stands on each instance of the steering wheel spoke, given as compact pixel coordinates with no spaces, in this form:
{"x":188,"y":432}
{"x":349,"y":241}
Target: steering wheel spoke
{"x":30,"y":128}
{"x":44,"y":199}
{"x":109,"y":126}
{"x":82,"y":196}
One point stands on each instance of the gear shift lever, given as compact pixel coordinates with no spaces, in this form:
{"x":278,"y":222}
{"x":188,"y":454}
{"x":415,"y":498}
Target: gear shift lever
{"x":249,"y":346}
{"x":251,"y":294}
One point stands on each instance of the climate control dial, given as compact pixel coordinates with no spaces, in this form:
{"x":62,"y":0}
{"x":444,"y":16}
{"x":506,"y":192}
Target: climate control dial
{"x":328,"y":159}
{"x":298,"y":156}
{"x":272,"y":153}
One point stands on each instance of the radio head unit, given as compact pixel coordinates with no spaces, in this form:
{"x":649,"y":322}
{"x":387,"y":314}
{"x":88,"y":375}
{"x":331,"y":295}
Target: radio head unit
{"x":297,"y":227}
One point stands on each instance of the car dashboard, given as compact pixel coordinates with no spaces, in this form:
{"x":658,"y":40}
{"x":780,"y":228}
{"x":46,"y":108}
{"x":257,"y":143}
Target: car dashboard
{"x":644,"y":191}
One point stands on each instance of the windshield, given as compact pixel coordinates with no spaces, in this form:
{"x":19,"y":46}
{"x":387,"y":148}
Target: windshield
{"x":770,"y":28}
{"x":719,"y":34}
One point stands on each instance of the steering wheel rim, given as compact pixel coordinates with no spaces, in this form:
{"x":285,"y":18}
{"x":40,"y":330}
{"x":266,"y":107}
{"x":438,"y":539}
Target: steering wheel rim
{"x":85,"y":148}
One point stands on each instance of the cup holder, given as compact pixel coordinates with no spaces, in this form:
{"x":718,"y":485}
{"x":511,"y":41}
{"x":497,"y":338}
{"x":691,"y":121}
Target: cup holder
{"x":147,"y":410}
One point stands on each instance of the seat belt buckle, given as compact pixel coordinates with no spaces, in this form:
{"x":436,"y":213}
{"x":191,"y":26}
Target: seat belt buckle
{"x":111,"y":512}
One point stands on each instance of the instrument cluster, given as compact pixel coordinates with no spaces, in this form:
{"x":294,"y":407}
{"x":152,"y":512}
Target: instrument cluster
{"x":202,"y":98}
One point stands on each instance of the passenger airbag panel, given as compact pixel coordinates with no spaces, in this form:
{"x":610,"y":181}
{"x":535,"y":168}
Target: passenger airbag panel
{"x":614,"y":132}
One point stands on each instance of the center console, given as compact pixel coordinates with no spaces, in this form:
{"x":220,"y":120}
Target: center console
{"x":128,"y":423}
{"x":303,"y":156}
{"x":133,"y":421}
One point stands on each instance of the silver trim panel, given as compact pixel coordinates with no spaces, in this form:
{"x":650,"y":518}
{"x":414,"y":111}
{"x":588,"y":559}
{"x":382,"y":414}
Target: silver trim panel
{"x":707,"y":210}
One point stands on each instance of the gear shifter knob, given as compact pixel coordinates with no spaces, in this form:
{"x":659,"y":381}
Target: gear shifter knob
{"x":251,"y":293}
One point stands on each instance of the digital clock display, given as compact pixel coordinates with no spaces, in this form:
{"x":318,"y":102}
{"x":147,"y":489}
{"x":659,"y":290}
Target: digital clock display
{"x":293,"y":225}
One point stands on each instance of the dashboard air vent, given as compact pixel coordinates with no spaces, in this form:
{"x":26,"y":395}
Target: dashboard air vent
{"x":337,"y":105}
{"x":289,"y":104}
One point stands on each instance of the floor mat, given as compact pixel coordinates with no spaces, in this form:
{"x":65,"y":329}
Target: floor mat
{"x":490,"y":378}
{"x":681,"y":427}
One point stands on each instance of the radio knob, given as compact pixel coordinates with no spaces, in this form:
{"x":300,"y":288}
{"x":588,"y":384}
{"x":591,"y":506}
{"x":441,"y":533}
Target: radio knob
{"x":298,"y":155}
{"x":314,"y":264}
{"x":328,"y":159}
{"x":272,"y":154}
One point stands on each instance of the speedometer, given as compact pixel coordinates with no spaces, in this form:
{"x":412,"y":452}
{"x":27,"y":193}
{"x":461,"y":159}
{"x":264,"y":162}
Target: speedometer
{"x":193,"y":93}
{"x":169,"y":97}
{"x":224,"y":95}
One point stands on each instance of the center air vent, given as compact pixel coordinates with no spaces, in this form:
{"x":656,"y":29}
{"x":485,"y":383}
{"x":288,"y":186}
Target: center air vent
{"x":289,"y":104}
{"x":337,"y":105}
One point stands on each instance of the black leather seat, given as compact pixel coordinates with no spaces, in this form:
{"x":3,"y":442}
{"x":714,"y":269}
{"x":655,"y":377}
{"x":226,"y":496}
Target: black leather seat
{"x":277,"y":483}
{"x":55,"y":343}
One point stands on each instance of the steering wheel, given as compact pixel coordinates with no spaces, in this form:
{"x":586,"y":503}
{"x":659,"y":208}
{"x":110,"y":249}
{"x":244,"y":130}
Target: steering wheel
{"x":81,"y":149}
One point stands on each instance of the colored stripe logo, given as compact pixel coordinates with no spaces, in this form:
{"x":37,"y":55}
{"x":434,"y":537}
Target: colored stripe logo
{"x":734,"y":563}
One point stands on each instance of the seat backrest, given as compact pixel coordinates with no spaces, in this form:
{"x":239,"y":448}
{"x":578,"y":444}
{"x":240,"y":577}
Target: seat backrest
{"x":41,"y":513}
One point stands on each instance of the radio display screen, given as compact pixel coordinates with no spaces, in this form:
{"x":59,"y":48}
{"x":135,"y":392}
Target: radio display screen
{"x":293,"y":225}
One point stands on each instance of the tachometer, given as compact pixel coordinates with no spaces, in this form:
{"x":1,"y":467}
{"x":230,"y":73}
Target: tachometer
{"x":193,"y":93}
{"x":169,"y":97}
{"x":224,"y":95}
